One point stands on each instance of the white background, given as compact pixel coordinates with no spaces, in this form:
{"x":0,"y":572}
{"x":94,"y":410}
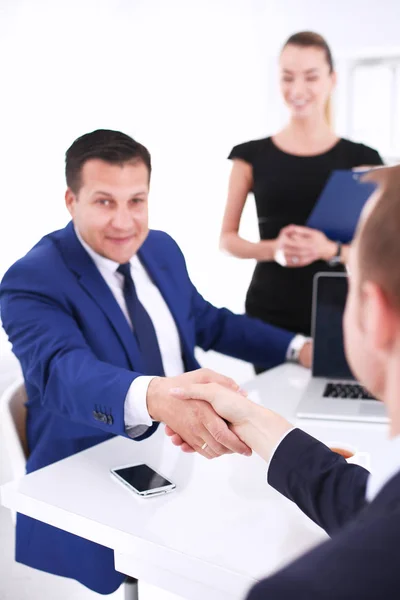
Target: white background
{"x":187,"y":78}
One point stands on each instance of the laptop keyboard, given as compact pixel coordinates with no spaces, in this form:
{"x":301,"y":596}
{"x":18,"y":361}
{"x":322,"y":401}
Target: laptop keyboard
{"x":347,"y":390}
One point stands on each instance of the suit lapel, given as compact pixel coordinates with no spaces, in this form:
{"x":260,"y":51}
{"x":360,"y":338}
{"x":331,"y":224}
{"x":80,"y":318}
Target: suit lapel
{"x":89,"y":277}
{"x":158,"y":272}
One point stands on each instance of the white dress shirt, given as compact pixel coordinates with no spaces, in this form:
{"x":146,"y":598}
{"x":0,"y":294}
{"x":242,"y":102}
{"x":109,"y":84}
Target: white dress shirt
{"x":135,"y":411}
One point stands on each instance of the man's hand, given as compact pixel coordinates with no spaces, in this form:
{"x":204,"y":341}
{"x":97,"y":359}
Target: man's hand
{"x":193,"y":424}
{"x":258,"y":427}
{"x":305,"y":355}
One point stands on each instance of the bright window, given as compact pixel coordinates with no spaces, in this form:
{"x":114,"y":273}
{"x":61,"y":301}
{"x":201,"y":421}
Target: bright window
{"x":374,"y":105}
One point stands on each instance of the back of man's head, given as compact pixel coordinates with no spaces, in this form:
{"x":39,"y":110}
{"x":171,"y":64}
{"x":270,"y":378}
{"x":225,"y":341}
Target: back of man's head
{"x":378,"y":247}
{"x":113,"y":147}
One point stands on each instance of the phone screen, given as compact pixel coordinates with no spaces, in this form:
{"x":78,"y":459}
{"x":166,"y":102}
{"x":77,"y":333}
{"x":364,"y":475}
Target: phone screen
{"x":142,"y":478}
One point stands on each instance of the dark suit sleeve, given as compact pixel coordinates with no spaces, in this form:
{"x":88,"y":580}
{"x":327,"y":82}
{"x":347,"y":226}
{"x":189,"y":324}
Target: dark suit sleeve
{"x":55,"y":357}
{"x":323,"y":485}
{"x":359,"y":563}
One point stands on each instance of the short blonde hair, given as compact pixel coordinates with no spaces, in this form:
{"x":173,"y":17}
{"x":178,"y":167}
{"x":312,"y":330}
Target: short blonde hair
{"x":379,"y":235}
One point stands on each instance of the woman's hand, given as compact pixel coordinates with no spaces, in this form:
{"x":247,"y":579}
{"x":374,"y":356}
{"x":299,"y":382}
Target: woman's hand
{"x":301,"y":246}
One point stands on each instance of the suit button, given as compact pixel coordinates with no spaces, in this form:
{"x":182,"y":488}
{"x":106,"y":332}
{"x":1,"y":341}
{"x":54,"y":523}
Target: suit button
{"x":99,"y":416}
{"x":110,"y":420}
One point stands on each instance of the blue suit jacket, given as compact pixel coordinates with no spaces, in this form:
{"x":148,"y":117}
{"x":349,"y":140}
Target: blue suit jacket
{"x":79,"y":358}
{"x":361,"y":560}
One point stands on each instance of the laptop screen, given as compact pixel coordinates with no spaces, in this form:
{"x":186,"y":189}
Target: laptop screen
{"x":329,"y":300}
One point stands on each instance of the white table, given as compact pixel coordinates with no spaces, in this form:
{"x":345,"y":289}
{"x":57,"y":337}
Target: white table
{"x":219,"y":532}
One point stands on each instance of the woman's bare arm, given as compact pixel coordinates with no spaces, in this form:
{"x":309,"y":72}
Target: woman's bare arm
{"x":240,"y":184}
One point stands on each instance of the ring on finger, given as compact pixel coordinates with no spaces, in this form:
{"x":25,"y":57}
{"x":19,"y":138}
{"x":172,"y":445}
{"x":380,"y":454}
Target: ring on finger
{"x":295,"y":260}
{"x":204,"y":446}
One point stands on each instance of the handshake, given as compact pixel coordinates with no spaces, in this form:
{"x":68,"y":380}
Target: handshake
{"x":208,"y":413}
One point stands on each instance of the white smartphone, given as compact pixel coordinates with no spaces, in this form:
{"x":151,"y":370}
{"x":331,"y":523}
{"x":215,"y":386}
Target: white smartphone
{"x":143,"y":480}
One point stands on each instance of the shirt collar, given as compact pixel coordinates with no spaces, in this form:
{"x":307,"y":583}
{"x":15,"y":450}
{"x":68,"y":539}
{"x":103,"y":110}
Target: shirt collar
{"x":389,"y":465}
{"x":102,"y":262}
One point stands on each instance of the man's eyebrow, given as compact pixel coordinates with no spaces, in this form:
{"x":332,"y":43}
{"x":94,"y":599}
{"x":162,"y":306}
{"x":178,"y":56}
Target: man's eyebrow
{"x":308,"y":71}
{"x":109,"y":195}
{"x":103,"y":193}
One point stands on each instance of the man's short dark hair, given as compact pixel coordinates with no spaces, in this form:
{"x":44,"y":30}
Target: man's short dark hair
{"x":379,"y":239}
{"x":113,"y":147}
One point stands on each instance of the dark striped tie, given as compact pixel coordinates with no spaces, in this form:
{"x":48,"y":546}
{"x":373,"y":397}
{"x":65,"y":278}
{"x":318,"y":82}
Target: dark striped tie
{"x":142,"y":326}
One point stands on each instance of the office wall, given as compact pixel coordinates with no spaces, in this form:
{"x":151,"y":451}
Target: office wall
{"x":187,"y":78}
{"x":353,"y":28}
{"x":176,"y":75}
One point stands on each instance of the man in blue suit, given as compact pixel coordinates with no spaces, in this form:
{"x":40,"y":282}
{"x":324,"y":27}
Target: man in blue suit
{"x":104,"y":320}
{"x":361,"y":511}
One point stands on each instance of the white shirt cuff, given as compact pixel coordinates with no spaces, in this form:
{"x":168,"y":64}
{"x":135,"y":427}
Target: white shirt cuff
{"x":135,"y":408}
{"x":295,"y":346}
{"x":276,"y":448}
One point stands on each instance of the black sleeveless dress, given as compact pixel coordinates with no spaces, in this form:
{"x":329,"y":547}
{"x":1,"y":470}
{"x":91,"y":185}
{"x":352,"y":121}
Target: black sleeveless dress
{"x":286,"y":188}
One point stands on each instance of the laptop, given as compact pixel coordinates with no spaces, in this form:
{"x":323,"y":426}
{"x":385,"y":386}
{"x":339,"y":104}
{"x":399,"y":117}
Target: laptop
{"x":332,"y":392}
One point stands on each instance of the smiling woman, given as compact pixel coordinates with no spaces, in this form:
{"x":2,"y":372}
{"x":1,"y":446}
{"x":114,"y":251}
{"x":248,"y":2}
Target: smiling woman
{"x":286,"y":173}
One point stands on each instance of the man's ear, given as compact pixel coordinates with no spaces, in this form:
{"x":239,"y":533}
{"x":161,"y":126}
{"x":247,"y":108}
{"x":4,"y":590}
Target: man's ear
{"x":379,"y":318}
{"x":70,"y":200}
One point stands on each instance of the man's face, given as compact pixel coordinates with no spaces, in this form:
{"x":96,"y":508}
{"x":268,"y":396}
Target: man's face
{"x":361,"y":320}
{"x":110,"y":210}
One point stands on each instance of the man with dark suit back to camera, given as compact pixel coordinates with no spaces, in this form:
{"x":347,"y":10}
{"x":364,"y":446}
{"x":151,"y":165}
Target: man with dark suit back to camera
{"x":104,"y":320}
{"x":359,"y":510}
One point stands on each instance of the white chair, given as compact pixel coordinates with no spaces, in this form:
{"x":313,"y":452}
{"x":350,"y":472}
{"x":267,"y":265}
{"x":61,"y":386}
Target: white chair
{"x":12,"y":425}
{"x":13,"y":434}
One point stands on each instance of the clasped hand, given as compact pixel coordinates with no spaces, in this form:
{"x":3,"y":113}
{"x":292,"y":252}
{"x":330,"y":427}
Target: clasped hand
{"x":300,"y":246}
{"x":194,"y":425}
{"x":260,"y":428}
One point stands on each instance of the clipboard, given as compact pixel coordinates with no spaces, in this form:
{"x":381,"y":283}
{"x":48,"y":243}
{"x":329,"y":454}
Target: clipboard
{"x":339,"y":205}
